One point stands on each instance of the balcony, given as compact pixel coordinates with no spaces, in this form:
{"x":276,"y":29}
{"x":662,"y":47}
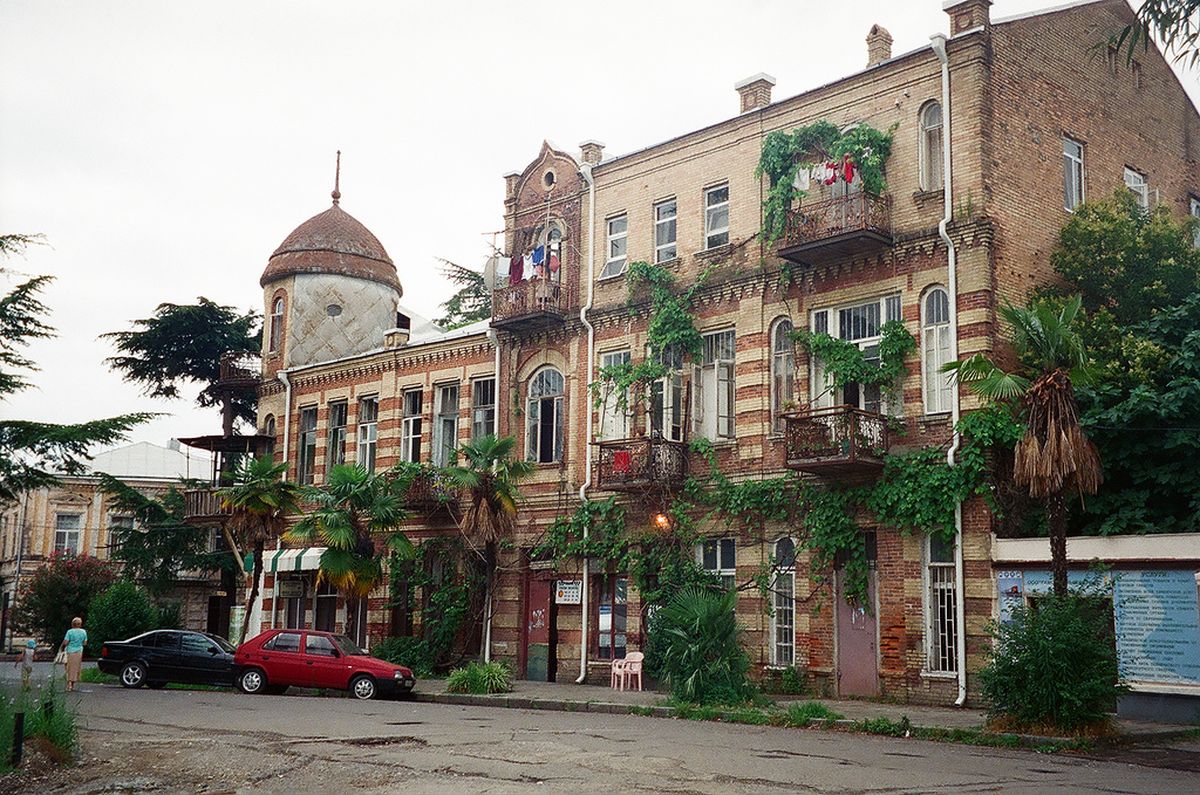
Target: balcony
{"x":430,"y":491}
{"x":641,"y":465}
{"x":836,"y":441}
{"x":530,"y":305}
{"x":203,"y":506}
{"x":240,"y":371}
{"x":837,"y":229}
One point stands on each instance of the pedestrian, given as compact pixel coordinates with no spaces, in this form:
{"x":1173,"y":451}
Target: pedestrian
{"x":73,"y":645}
{"x":25,"y":662}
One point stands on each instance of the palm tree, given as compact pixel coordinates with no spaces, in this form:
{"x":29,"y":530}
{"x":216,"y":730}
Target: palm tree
{"x":1054,"y":457}
{"x":260,"y":501}
{"x":353,"y":511}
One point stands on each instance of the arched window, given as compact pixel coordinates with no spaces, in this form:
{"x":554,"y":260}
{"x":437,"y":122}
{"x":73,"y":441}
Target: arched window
{"x":931,"y":146}
{"x":783,"y":619}
{"x":276,"y":336}
{"x":544,"y":417}
{"x":783,"y":371}
{"x":935,"y":350}
{"x":269,"y":431}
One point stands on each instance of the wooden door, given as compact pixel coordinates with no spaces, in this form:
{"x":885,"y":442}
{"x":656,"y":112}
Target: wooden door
{"x":857,"y":640}
{"x":538,"y":649}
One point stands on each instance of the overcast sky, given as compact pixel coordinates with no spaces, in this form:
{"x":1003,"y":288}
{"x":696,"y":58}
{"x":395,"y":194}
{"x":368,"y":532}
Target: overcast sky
{"x":166,"y":148}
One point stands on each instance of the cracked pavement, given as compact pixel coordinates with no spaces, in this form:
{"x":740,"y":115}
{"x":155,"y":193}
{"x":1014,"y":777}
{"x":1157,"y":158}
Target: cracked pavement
{"x":222,"y":742}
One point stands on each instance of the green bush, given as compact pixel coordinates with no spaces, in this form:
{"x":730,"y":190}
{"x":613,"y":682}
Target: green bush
{"x":60,"y":591}
{"x":411,"y":652}
{"x":1053,"y":668}
{"x":701,"y":659}
{"x":480,"y":679}
{"x":122,"y":611}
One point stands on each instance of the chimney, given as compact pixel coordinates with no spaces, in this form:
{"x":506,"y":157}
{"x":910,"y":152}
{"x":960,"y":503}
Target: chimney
{"x":591,"y":152}
{"x":755,"y":91}
{"x":967,"y":14}
{"x":510,"y":184}
{"x":879,"y":45}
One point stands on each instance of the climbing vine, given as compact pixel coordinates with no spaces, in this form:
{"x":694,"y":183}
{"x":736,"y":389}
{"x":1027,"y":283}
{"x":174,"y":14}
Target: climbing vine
{"x":452,"y":580}
{"x":844,"y":362}
{"x":784,"y":155}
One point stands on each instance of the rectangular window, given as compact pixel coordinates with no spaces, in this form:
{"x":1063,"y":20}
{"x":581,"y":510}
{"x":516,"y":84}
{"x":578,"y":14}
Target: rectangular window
{"x":368,"y":432}
{"x":713,"y":386}
{"x":719,"y":556}
{"x":337,"y":433}
{"x":119,"y":528}
{"x":325,"y":607}
{"x":1136,"y":182}
{"x":307,"y":453}
{"x":716,"y":216}
{"x":612,"y":616}
{"x":1072,"y":174}
{"x":664,"y":231}
{"x":1194,"y":209}
{"x":410,"y":430}
{"x":783,"y":618}
{"x":445,"y":424}
{"x":66,"y":533}
{"x":618,"y":239}
{"x":614,"y":407}
{"x":666,"y":408}
{"x":483,"y":407}
{"x":942,"y":655}
{"x":861,"y":324}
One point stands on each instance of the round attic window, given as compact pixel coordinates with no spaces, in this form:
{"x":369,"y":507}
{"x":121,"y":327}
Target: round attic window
{"x":549,"y":179}
{"x":333,"y":310}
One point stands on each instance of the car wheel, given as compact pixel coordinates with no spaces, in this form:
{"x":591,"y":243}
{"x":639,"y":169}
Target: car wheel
{"x":253,"y":681}
{"x":362,"y":687}
{"x":156,"y":685}
{"x":133,"y":675}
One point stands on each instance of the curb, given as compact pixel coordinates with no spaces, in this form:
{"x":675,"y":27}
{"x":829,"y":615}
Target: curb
{"x":549,"y":704}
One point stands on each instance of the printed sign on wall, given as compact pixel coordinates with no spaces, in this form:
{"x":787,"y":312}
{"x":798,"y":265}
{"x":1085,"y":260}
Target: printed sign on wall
{"x":568,"y":592}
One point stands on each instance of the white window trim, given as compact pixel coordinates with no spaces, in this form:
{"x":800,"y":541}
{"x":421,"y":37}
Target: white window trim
{"x":833,"y":328}
{"x":477,"y":407}
{"x":275,"y":332}
{"x":1139,"y":187}
{"x":410,"y":426}
{"x":720,"y":571}
{"x":439,"y":441}
{"x":674,"y":244}
{"x":68,"y":533}
{"x":1078,"y":162}
{"x":301,"y":457}
{"x":367,"y":434}
{"x":783,"y":571}
{"x":925,"y":158}
{"x":610,"y":238}
{"x":671,"y":385}
{"x":777,"y":407}
{"x":1194,"y":211}
{"x":926,"y":599}
{"x":729,"y":433}
{"x":609,"y":404}
{"x":926,"y":330}
{"x":708,"y":233}
{"x":533,"y":450}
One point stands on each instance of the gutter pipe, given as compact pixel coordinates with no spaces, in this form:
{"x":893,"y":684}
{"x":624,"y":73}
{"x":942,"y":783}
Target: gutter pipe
{"x":585,"y":171}
{"x":487,"y":616}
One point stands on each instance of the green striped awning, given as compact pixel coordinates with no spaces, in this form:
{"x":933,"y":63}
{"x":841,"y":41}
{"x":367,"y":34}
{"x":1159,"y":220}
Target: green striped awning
{"x":283,"y":560}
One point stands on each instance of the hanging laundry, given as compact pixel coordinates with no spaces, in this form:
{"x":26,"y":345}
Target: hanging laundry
{"x":555,"y":261}
{"x":527,"y":266}
{"x":539,"y":262}
{"x":847,"y":169}
{"x":803,"y":180}
{"x":831,"y":173}
{"x":516,"y":271}
{"x":503,"y":270}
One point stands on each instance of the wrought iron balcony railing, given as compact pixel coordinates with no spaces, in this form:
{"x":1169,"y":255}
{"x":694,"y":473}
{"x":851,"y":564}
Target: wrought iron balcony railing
{"x":638,"y":465}
{"x":838,"y":440}
{"x":528,"y":305}
{"x":838,"y":228}
{"x":430,"y":491}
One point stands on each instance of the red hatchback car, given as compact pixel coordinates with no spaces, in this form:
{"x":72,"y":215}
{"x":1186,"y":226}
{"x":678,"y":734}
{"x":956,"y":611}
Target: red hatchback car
{"x":278,"y":659}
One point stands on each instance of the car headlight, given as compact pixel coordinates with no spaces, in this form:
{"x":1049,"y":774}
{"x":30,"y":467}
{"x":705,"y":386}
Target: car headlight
{"x":398,"y":674}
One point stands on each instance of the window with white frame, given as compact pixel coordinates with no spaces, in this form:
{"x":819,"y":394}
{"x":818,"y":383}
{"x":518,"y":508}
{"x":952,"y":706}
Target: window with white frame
{"x":614,"y":405}
{"x":664,"y":231}
{"x":445,"y":424}
{"x":666,"y":407}
{"x":861,"y":324}
{"x":544,"y":417}
{"x":941,"y":606}
{"x":716,"y":216}
{"x":783,"y":617}
{"x":306,"y":462}
{"x":937,"y":386}
{"x":1073,"y":195}
{"x":783,"y":371}
{"x":66,"y":533}
{"x":368,"y":431}
{"x":483,"y":407}
{"x":1136,"y":182}
{"x":276,"y":336}
{"x":931,"y":154}
{"x":119,"y":528}
{"x":269,"y":432}
{"x":618,"y":247}
{"x":1194,"y":209}
{"x":338,"y":412}
{"x":719,"y":556}
{"x":713,"y":386}
{"x":410,"y":426}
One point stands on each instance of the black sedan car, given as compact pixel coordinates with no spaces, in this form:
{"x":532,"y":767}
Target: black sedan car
{"x":168,"y":655}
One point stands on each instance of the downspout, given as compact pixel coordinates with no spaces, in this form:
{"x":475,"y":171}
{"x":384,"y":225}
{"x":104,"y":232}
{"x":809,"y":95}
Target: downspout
{"x":939,"y":49}
{"x":586,"y":171}
{"x":487,"y":607}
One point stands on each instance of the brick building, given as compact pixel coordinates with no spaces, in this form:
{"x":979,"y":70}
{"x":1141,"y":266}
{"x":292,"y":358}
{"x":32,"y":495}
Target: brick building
{"x":1029,"y":122}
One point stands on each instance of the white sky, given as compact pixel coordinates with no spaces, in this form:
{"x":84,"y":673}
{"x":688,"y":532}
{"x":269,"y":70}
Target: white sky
{"x":166,"y":148}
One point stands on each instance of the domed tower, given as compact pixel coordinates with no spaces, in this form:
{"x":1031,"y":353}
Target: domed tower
{"x":330,"y":290}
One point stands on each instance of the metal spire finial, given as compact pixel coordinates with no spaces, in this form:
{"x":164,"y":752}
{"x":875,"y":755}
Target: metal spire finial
{"x":337,"y":178}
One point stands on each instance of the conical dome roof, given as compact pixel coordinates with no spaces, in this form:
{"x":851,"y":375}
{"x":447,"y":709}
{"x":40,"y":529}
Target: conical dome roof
{"x":332,"y":242}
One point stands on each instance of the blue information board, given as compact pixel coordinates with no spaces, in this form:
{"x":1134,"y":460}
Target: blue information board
{"x":1158,"y":626}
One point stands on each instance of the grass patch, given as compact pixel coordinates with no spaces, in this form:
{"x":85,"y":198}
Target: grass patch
{"x":49,"y":720}
{"x":801,"y":714}
{"x":94,"y":676}
{"x":480,"y":679}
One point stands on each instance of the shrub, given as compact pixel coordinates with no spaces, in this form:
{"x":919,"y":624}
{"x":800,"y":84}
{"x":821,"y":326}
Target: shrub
{"x":801,"y":714}
{"x":701,"y":659}
{"x":122,"y":611}
{"x":411,"y":652}
{"x":60,"y":591}
{"x":170,"y":616}
{"x":1053,"y":667}
{"x":480,"y":678}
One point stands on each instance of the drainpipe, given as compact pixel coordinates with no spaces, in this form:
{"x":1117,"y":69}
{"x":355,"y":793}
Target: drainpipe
{"x":586,"y":171}
{"x":287,"y":412}
{"x":939,"y":49}
{"x":487,"y":607}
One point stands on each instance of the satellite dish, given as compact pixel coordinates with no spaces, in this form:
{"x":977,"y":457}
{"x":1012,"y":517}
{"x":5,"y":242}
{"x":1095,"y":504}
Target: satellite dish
{"x":489,"y":273}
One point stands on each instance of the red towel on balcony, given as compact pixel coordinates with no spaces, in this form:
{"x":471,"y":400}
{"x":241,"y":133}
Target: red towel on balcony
{"x":622,"y":462}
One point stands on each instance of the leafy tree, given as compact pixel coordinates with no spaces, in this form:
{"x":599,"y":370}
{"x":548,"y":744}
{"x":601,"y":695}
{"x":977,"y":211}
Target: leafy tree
{"x":162,"y":544}
{"x":490,"y":479}
{"x":34,"y":454}
{"x":58,"y":592}
{"x":356,"y":516}
{"x":183,"y":344}
{"x":260,"y":501}
{"x":1175,"y":22}
{"x":472,"y":302}
{"x":121,"y":611}
{"x":1054,"y":457}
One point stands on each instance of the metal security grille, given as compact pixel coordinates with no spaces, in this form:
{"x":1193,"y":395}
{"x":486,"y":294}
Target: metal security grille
{"x":943,"y":641}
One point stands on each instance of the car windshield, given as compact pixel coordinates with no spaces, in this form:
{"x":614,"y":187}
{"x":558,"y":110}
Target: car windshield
{"x":222,"y":644}
{"x":347,"y":646}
